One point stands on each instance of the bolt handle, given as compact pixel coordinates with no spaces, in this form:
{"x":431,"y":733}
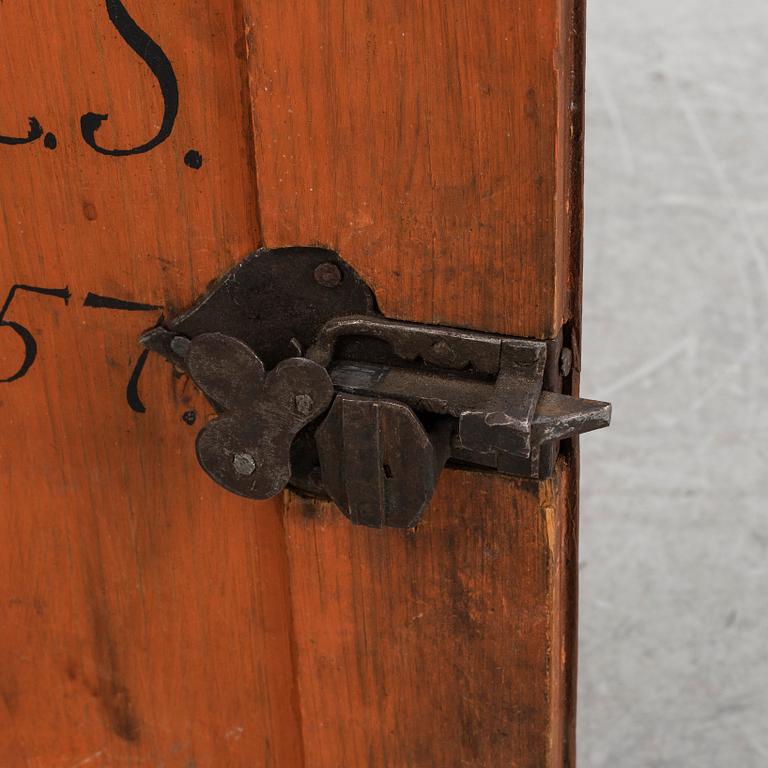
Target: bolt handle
{"x":247,"y":449}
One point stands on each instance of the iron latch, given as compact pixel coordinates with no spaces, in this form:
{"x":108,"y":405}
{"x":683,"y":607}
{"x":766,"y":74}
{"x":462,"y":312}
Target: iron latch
{"x":317,"y":390}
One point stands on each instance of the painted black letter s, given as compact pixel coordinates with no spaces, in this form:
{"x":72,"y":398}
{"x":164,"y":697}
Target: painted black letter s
{"x":154,"y":57}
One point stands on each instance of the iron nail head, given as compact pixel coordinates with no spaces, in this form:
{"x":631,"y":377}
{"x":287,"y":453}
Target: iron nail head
{"x":328,"y":275}
{"x":180,"y":345}
{"x":304,"y":404}
{"x":244,"y":463}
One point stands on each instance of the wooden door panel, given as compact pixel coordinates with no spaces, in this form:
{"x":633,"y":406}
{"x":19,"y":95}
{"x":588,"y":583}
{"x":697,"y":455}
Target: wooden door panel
{"x":144,"y":612}
{"x":431,"y":145}
{"x":441,"y":646}
{"x":147,"y":615}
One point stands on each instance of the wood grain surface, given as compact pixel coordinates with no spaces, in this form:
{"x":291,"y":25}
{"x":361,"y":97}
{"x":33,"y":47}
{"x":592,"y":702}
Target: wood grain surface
{"x":147,"y":616}
{"x":144,"y":612}
{"x":436,"y":146}
{"x":442,"y":646}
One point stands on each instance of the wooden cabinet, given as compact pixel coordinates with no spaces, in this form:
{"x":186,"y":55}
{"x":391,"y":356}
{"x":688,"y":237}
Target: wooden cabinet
{"x":149,"y":617}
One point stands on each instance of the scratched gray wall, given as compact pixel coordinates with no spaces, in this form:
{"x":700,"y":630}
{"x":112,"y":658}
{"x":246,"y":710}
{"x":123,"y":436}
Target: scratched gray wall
{"x":674,"y":558}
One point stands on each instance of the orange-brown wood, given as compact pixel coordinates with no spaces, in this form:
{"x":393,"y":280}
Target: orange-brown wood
{"x":430,"y":143}
{"x":148,"y":617}
{"x":435,"y":145}
{"x":144,"y":616}
{"x":441,"y":646}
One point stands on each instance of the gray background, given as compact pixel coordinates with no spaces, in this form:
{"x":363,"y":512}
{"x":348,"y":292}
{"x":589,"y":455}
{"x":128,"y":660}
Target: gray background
{"x":674,"y":540}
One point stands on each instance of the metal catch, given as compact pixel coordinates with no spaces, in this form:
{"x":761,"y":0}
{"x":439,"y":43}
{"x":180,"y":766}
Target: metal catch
{"x":317,"y":391}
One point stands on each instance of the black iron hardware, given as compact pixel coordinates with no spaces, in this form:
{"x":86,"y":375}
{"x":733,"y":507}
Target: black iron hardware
{"x":318,"y":391}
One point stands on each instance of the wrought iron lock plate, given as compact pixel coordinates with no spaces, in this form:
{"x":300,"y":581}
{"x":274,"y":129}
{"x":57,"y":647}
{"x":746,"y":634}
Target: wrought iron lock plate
{"x":318,"y":391}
